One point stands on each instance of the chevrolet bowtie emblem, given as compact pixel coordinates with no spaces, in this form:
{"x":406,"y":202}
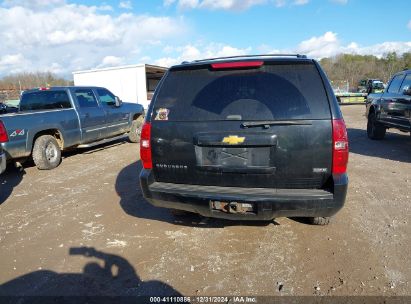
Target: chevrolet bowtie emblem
{"x":233,"y":140}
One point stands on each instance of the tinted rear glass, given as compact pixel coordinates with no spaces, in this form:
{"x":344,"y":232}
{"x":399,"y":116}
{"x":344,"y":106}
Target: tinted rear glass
{"x":272,"y":92}
{"x":45,"y":100}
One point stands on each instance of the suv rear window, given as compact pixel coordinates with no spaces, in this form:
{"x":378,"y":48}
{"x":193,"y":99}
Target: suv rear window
{"x":272,"y":92}
{"x":45,"y":100}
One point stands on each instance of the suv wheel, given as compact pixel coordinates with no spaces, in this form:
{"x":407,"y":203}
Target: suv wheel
{"x":46,"y":152}
{"x":374,"y":129}
{"x":135,"y":130}
{"x":321,"y":221}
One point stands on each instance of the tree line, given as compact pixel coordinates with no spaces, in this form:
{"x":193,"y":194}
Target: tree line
{"x":353,"y":68}
{"x":344,"y":70}
{"x":12,"y":85}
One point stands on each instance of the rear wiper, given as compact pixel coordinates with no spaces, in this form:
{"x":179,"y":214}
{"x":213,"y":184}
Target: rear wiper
{"x":267,"y":123}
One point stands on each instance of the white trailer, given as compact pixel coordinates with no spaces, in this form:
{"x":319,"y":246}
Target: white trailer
{"x":132,"y":83}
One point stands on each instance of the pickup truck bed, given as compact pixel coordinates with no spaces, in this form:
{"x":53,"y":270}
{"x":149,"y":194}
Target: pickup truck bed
{"x":69,"y":117}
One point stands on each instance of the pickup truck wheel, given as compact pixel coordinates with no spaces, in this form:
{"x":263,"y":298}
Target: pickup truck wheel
{"x":374,"y":129}
{"x":321,"y":221}
{"x":46,"y":152}
{"x":135,"y":130}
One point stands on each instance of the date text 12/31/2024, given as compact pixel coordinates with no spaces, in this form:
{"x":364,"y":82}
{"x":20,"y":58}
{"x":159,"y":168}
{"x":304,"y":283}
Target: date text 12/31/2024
{"x":203,"y":299}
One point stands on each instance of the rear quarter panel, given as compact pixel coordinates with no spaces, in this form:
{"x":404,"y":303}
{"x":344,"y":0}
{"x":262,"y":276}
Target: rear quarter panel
{"x":134,"y":109}
{"x":372,"y":101}
{"x":22,"y":129}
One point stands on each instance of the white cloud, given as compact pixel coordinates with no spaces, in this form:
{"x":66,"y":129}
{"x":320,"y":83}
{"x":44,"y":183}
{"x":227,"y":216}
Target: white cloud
{"x":300,"y":2}
{"x":329,"y":45}
{"x":105,"y":7}
{"x":230,"y":4}
{"x":185,"y":4}
{"x":33,"y":4}
{"x":126,"y":4}
{"x":234,"y":5}
{"x":168,"y":2}
{"x":382,"y":49}
{"x":215,"y":4}
{"x":110,"y":61}
{"x":10,"y":59}
{"x":322,"y":46}
{"x":67,"y":37}
{"x":343,"y":2}
{"x":12,"y":63}
{"x":192,"y":52}
{"x":326,"y":45}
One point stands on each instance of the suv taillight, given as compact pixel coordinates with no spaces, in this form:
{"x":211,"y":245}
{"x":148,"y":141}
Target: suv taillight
{"x":145,"y":146}
{"x":340,"y":147}
{"x":3,"y":133}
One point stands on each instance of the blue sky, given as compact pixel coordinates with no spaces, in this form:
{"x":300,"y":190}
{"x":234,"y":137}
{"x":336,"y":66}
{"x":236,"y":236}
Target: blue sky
{"x":64,"y":35}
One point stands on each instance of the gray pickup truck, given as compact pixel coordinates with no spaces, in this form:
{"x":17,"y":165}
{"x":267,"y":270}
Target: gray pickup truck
{"x":390,"y":109}
{"x":50,"y":120}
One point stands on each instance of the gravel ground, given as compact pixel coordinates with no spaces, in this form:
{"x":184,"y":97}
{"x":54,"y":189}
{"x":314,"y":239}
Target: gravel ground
{"x":84,"y":228}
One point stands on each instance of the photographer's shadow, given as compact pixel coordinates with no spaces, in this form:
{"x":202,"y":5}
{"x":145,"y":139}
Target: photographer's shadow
{"x":107,"y":275}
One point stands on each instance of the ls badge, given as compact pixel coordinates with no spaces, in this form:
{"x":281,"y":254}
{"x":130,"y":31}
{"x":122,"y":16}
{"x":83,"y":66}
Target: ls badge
{"x":233,"y":140}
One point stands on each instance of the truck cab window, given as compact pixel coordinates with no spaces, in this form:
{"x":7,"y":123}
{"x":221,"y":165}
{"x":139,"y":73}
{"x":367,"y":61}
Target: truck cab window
{"x":406,"y":84}
{"x":106,"y":97}
{"x":85,"y":98}
{"x":45,"y":100}
{"x":395,"y":84}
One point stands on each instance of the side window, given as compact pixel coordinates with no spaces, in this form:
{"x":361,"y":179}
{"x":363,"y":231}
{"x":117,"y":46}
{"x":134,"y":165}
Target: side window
{"x":395,"y":84}
{"x":85,"y":98}
{"x":106,"y":97}
{"x":45,"y":100}
{"x":406,"y":84}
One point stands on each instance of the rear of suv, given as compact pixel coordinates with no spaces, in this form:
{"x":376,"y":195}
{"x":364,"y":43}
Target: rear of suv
{"x":246,"y":138}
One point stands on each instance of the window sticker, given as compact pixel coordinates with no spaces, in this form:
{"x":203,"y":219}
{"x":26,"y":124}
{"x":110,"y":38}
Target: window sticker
{"x":162,"y":114}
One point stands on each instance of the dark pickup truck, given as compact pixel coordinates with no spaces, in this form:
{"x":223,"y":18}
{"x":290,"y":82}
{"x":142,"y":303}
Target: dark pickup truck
{"x":50,"y":120}
{"x":390,"y":109}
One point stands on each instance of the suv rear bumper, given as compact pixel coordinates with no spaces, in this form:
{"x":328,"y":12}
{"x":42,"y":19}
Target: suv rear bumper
{"x":3,"y":162}
{"x":269,"y":203}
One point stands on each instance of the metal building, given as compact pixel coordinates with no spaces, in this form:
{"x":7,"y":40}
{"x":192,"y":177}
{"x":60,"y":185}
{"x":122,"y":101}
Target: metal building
{"x":132,"y":83}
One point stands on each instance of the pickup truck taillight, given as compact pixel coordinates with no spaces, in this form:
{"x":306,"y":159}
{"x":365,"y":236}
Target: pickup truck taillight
{"x":340,"y":147}
{"x":145,"y":146}
{"x":3,"y":133}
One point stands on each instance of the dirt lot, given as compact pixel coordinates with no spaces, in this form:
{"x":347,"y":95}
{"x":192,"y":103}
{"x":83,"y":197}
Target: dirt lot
{"x":93,"y":200}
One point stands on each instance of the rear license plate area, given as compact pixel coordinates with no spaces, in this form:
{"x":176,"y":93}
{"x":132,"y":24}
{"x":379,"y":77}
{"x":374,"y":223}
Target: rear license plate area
{"x":240,"y":159}
{"x":233,"y":207}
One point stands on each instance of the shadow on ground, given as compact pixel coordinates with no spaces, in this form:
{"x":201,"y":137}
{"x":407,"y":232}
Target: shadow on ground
{"x":394,"y":146}
{"x":14,"y":175}
{"x":106,"y":275}
{"x":28,"y":163}
{"x":9,"y":180}
{"x":133,"y":203}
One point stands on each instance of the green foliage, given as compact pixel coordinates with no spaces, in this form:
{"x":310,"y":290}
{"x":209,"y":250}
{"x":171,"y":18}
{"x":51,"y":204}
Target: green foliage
{"x":353,"y":68}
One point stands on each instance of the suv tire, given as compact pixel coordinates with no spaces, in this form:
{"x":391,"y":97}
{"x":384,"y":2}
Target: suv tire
{"x":374,"y":129}
{"x":46,"y":152}
{"x":321,"y":221}
{"x":135,"y":130}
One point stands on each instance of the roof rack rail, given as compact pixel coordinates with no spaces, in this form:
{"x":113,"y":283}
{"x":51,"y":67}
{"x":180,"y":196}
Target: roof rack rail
{"x":250,"y":56}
